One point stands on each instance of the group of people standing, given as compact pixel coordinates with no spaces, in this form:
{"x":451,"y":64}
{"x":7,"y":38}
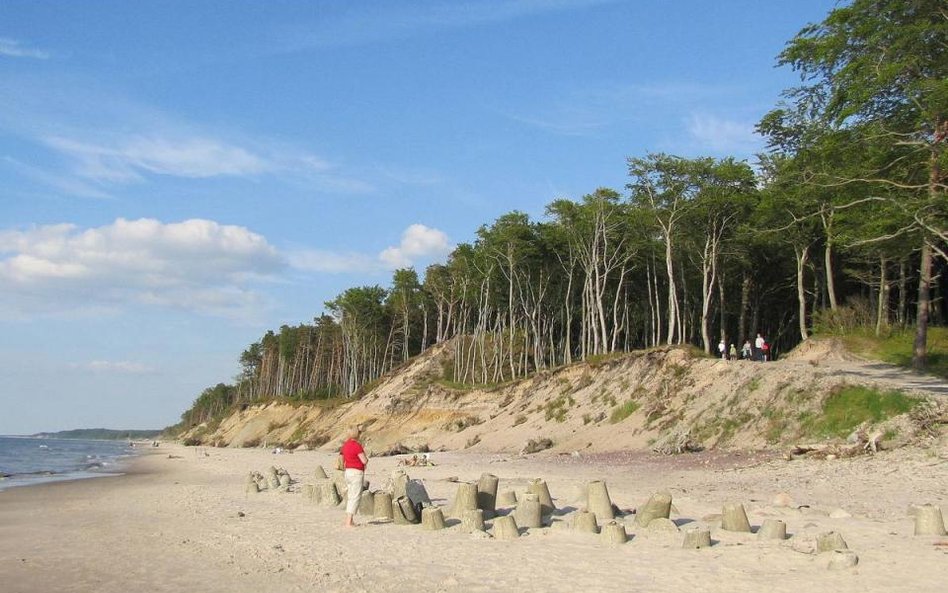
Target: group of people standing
{"x":759,"y":352}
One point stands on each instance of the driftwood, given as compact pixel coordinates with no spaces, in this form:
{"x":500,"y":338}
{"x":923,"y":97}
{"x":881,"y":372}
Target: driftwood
{"x":676,"y":442}
{"x":535,"y":446}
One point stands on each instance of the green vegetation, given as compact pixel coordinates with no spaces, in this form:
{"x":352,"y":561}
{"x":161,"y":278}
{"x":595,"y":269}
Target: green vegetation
{"x":624,"y":411}
{"x":556,"y":409}
{"x":101,"y":434}
{"x":849,"y":407}
{"x":847,"y":203}
{"x":895,"y":347}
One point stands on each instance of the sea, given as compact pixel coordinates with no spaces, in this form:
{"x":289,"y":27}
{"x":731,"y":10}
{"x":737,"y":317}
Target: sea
{"x":27,"y":460}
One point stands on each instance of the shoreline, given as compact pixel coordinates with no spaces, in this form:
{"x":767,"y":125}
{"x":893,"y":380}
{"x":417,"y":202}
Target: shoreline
{"x":122,"y":465}
{"x":179,"y":520}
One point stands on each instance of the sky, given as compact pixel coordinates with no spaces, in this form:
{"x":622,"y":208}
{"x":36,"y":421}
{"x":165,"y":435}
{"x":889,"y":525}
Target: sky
{"x":178,"y":177}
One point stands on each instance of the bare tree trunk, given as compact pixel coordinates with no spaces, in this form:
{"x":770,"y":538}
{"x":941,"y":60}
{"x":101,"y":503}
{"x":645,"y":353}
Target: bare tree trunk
{"x":919,"y":349}
{"x":672,"y":293}
{"x":903,"y":285}
{"x":707,"y":289}
{"x":827,"y":218}
{"x":722,"y":308}
{"x":882,"y":311}
{"x":801,"y":254}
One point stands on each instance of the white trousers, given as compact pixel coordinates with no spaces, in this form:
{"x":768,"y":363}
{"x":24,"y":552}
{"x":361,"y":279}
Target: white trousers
{"x":354,"y":487}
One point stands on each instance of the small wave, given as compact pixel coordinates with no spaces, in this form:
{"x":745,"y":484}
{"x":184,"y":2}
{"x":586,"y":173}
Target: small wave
{"x":42,"y":473}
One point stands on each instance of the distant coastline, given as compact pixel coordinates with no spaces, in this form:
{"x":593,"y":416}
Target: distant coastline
{"x":101,"y":434}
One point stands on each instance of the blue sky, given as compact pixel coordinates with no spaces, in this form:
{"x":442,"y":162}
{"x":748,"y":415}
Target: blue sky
{"x":177,"y":177}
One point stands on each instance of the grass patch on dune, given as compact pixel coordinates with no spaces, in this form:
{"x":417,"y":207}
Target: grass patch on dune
{"x":624,"y":411}
{"x":849,"y":407}
{"x":895,"y":347}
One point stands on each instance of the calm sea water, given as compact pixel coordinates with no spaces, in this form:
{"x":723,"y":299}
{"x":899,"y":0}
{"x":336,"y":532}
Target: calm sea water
{"x":25,"y":461}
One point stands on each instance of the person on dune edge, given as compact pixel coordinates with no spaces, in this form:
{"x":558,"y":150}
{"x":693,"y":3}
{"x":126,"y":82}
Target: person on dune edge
{"x":353,"y":462}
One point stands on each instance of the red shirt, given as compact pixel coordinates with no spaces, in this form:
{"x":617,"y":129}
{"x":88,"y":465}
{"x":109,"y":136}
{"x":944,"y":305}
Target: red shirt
{"x":350,"y":454}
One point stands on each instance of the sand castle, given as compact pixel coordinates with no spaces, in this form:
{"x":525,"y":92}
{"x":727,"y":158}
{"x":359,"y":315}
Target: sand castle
{"x":485,"y":511}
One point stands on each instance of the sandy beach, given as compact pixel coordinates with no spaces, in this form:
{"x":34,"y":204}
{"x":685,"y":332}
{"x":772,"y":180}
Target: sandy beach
{"x":180,"y":520}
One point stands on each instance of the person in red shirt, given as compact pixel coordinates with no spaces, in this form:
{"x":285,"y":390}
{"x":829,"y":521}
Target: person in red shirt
{"x":353,"y":462}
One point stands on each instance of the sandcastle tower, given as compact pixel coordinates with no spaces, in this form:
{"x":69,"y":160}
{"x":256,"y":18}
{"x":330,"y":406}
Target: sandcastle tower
{"x":657,"y":507}
{"x":542,"y":491}
{"x":487,"y":493}
{"x":598,"y":501}
{"x":465,"y":499}
{"x":529,"y":511}
{"x":734,"y":518}
{"x":506,"y":528}
{"x":928,"y":520}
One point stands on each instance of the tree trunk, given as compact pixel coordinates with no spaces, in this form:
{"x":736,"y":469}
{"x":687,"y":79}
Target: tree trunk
{"x":919,"y":349}
{"x":672,"y":293}
{"x":882,"y":310}
{"x":742,"y":335}
{"x":801,"y":291}
{"x":903,"y":286}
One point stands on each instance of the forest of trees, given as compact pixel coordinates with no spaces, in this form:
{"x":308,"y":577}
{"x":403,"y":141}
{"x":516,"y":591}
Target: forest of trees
{"x":840,"y":223}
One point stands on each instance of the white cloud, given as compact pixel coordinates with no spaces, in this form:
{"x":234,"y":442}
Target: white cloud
{"x":14,"y":49}
{"x":418,"y":243}
{"x":723,"y":136}
{"x":196,"y":265}
{"x":125,"y":160}
{"x":121,"y":367}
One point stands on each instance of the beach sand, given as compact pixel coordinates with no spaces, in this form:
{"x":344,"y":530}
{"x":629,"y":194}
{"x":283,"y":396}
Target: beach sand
{"x":181,"y":521}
